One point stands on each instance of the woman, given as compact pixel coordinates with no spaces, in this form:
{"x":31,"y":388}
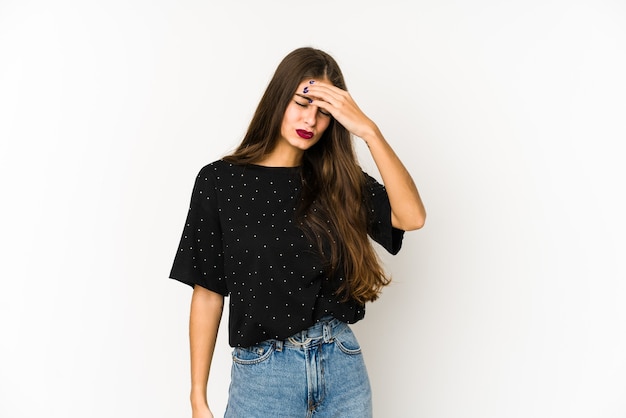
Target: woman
{"x":281,"y":227}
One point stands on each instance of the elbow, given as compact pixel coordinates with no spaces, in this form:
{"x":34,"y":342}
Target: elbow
{"x":410,"y":224}
{"x":420,"y":224}
{"x":415,"y":225}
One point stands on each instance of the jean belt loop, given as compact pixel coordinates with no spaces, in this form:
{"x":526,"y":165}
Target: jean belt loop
{"x":279,"y":345}
{"x":327,"y":330}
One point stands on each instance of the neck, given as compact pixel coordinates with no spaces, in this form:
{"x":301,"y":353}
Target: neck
{"x":282,"y":158}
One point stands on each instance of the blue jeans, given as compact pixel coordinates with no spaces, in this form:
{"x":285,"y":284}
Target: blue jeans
{"x":318,"y":372}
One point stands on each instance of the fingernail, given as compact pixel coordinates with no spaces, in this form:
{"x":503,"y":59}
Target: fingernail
{"x":310,"y":101}
{"x":312,"y":81}
{"x":306,"y":89}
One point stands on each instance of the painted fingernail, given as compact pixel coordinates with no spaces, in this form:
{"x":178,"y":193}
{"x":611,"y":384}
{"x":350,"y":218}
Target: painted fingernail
{"x":312,"y":81}
{"x":310,"y":101}
{"x":306,"y":89}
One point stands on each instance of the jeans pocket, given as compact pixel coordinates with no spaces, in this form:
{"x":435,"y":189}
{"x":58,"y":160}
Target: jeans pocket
{"x":254,"y":354}
{"x":347,"y":342}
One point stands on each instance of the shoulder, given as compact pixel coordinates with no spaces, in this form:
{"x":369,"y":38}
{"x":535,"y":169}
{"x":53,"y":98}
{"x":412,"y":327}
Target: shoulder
{"x":370,"y":182}
{"x":216,"y":170}
{"x":374,"y":191}
{"x":209,"y":176}
{"x":215,"y":167}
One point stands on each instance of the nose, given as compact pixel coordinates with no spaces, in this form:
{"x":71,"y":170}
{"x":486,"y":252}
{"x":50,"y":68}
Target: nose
{"x":310,"y":115}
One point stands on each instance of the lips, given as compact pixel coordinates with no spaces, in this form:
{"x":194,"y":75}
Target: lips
{"x":304,"y":134}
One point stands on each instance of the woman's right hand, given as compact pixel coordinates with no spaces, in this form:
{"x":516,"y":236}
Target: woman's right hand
{"x":203,"y":412}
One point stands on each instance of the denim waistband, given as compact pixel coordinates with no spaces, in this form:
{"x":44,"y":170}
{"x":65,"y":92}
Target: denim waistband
{"x":325,"y":329}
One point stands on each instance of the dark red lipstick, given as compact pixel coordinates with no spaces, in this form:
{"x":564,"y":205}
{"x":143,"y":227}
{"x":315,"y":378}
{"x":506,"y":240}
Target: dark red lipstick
{"x":304,"y":134}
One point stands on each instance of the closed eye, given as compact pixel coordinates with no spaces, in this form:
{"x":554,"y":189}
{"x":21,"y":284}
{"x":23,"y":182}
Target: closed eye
{"x":302,"y":104}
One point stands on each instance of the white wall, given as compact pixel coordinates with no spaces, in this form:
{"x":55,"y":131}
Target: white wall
{"x":509,"y":303}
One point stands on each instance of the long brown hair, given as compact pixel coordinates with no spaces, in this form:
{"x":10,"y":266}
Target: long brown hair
{"x":332,"y":208}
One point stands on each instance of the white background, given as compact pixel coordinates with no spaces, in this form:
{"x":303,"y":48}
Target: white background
{"x":510,"y":116}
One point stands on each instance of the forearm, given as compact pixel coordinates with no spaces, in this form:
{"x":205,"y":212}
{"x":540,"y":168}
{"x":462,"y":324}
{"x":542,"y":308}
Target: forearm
{"x":204,"y":320}
{"x":407,"y":209}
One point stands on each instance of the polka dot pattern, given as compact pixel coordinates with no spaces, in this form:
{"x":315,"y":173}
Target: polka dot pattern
{"x":241,"y":240}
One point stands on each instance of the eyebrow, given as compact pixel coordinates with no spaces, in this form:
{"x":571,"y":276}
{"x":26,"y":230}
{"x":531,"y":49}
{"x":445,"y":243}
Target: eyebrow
{"x":304,"y":97}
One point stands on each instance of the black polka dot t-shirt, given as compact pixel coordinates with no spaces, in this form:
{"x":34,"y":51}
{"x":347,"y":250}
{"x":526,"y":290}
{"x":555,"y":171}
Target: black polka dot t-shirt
{"x":241,"y":239}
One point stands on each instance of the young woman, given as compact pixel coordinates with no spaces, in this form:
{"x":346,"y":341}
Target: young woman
{"x":282,"y":226}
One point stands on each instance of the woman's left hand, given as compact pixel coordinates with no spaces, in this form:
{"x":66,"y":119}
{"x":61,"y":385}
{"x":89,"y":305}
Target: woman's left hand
{"x":341,"y":106}
{"x":407,"y":209}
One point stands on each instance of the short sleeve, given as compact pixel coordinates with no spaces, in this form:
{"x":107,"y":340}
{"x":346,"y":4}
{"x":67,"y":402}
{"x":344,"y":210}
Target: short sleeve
{"x":200,"y":258}
{"x":380,"y":228}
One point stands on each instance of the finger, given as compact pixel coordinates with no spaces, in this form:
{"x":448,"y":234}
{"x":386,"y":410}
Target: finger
{"x":325,"y":84}
{"x":325,"y":106}
{"x":325,"y":91}
{"x":323,"y":102}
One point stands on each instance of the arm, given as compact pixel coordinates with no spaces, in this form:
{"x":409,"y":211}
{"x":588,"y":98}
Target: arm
{"x":407,"y":209}
{"x":204,"y":320}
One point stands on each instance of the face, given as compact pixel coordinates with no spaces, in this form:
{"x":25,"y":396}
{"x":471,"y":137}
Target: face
{"x":303,"y":123}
